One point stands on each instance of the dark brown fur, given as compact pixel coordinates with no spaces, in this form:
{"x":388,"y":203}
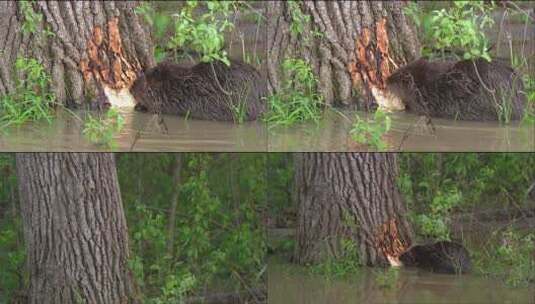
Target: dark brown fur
{"x":171,"y":89}
{"x":464,"y":90}
{"x":441,"y":257}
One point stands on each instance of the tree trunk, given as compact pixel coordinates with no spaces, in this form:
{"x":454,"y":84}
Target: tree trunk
{"x":350,"y":196}
{"x":90,"y":48}
{"x":352,"y":45}
{"x":177,"y":182}
{"x":74,"y":228}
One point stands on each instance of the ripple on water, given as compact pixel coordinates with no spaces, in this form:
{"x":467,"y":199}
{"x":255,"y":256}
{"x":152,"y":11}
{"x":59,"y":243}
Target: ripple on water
{"x":292,"y":284}
{"x":140,"y":133}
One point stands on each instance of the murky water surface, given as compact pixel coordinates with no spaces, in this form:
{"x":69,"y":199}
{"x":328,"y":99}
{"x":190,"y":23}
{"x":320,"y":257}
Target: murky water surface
{"x":141,"y":133}
{"x":408,"y":133}
{"x":292,"y":284}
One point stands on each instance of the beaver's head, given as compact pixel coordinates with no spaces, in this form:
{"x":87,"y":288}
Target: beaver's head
{"x":145,"y":87}
{"x":148,"y":89}
{"x":405,"y":81}
{"x":409,"y":257}
{"x":415,"y":71}
{"x":410,"y":81}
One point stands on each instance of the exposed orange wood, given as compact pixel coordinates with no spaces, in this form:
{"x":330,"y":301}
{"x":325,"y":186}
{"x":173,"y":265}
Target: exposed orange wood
{"x":370,"y":63}
{"x":382,"y":47}
{"x":116,"y":68}
{"x":115,"y":38}
{"x":92,"y":51}
{"x":97,"y":35}
{"x":86,"y":72}
{"x":104,"y":75}
{"x":388,"y":239}
{"x":106,"y":62}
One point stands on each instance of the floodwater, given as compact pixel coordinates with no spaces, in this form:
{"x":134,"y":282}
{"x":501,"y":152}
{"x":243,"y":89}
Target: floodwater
{"x":408,"y":133}
{"x":292,"y":284}
{"x":140,"y":133}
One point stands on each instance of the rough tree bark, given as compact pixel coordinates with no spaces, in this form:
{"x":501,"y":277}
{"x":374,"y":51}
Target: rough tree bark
{"x":350,"y":196}
{"x":88,"y":47}
{"x":75,"y":229}
{"x":352,"y":46}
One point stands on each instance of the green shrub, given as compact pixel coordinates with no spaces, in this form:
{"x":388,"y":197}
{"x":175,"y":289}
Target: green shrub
{"x":346,"y":264}
{"x":13,"y":276}
{"x":435,"y":222}
{"x":298,"y":99}
{"x":459,"y":28}
{"x":386,"y":278}
{"x":32,"y":99}
{"x":160,"y":25}
{"x":370,"y":132}
{"x":508,"y":257}
{"x":101,"y":130}
{"x":199,"y":27}
{"x":436,"y":186}
{"x":496,"y":180}
{"x":529,"y":87}
{"x":219,"y":242}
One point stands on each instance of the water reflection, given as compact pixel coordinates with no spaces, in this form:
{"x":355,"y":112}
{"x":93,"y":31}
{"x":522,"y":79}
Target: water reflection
{"x":141,"y":133}
{"x":293,"y":284}
{"x":408,"y":133}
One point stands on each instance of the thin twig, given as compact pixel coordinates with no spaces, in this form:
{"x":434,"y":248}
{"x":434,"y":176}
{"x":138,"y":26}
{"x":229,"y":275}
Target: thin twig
{"x":217,"y":80}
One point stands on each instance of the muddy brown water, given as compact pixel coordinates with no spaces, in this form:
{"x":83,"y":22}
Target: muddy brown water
{"x":292,"y":284}
{"x":408,"y":133}
{"x":141,"y":133}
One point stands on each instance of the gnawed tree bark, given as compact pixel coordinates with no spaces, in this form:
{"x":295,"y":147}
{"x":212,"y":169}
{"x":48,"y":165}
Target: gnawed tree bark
{"x":351,"y":196}
{"x":353,"y":46}
{"x":88,"y":47}
{"x":75,"y":229}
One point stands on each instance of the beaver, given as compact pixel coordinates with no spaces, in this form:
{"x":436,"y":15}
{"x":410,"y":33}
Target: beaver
{"x":475,"y":90}
{"x":208,"y":91}
{"x":440,"y":257}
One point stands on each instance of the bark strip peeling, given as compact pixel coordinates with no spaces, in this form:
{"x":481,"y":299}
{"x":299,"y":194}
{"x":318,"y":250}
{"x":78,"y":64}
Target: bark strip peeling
{"x":86,"y":46}
{"x":369,"y":66}
{"x":390,"y":241}
{"x":104,"y":47}
{"x":106,"y":63}
{"x":351,"y":46}
{"x":349,"y":196}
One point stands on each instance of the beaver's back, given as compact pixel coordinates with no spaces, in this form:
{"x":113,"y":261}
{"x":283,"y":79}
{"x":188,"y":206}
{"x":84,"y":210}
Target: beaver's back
{"x":211,"y":91}
{"x":441,"y":257}
{"x":465,"y":90}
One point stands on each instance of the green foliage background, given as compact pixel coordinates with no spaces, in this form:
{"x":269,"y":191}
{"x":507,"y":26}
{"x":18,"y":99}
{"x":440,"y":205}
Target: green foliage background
{"x":435,"y":182}
{"x":219,"y":234}
{"x":438,"y":187}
